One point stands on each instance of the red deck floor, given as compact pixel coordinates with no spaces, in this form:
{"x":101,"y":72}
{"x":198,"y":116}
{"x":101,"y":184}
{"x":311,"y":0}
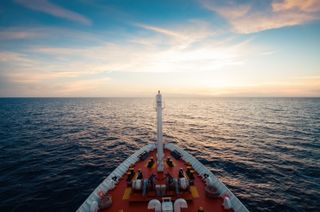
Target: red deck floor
{"x":123,"y":205}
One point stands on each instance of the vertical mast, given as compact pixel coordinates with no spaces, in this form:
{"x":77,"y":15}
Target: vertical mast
{"x":159,"y":132}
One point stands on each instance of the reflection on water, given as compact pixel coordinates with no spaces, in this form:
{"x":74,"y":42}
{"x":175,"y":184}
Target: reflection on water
{"x":54,"y":152}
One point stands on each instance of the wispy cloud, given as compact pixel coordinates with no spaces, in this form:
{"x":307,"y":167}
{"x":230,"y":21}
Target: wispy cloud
{"x":91,"y":87}
{"x":306,"y":86}
{"x":47,"y":33}
{"x":307,"y":6}
{"x":55,"y":10}
{"x":168,"y":50}
{"x":191,"y":50}
{"x":185,"y":34}
{"x":163,"y":53}
{"x":54,"y":84}
{"x":15,"y":34}
{"x":252,"y":17}
{"x":29,"y":76}
{"x":162,"y":31}
{"x":110,"y":57}
{"x":270,"y":52}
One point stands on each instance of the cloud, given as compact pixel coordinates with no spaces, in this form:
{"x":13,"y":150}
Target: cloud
{"x":175,"y":50}
{"x":35,"y":67}
{"x":54,"y":10}
{"x":11,"y":56}
{"x":47,"y":33}
{"x":185,"y":36}
{"x":53,"y":84}
{"x":18,"y":34}
{"x":23,"y":68}
{"x":91,"y":87}
{"x":25,"y":75}
{"x":308,"y":6}
{"x":162,"y":31}
{"x":181,"y":48}
{"x":208,"y":56}
{"x":295,"y":86}
{"x":165,"y":51}
{"x":253,"y":17}
{"x":34,"y":77}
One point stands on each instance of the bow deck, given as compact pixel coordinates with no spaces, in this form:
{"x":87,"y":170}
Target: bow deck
{"x":125,"y":199}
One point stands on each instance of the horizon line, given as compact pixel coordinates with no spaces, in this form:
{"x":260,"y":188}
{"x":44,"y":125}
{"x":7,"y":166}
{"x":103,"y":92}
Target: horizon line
{"x":168,"y":96}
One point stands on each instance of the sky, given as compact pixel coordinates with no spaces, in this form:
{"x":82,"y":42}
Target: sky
{"x":119,"y":48}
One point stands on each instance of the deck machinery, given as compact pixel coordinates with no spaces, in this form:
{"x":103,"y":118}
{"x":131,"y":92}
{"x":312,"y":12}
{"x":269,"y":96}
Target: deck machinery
{"x":163,"y":178}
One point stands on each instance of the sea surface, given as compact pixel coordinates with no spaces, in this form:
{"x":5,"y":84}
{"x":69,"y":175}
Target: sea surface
{"x":55,"y":151}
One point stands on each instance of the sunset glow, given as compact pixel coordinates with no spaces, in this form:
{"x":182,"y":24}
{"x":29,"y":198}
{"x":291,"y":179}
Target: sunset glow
{"x":132,"y":48}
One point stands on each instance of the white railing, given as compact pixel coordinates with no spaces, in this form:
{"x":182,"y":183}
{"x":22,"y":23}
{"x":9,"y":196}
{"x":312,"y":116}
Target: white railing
{"x":109,"y":183}
{"x":201,"y":170}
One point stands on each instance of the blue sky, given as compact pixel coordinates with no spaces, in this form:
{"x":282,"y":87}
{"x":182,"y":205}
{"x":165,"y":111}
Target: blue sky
{"x":134,"y":48}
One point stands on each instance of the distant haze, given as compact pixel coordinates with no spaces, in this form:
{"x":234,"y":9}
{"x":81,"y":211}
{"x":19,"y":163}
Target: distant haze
{"x":184,"y":48}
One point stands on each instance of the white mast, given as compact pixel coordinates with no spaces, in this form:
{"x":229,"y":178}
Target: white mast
{"x":159,"y":132}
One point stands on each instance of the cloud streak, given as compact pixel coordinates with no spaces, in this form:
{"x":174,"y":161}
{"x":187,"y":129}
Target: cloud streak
{"x":194,"y":56}
{"x":49,"y":34}
{"x":164,"y":52}
{"x":162,"y":31}
{"x":208,"y":56}
{"x":49,"y":8}
{"x":184,"y":35}
{"x":251,"y":17}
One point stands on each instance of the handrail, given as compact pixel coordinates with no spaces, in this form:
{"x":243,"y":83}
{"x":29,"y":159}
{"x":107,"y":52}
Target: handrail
{"x":201,"y":169}
{"x":108,"y":183}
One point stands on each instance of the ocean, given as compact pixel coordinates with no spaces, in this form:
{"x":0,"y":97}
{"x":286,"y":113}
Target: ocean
{"x":55,"y":151}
